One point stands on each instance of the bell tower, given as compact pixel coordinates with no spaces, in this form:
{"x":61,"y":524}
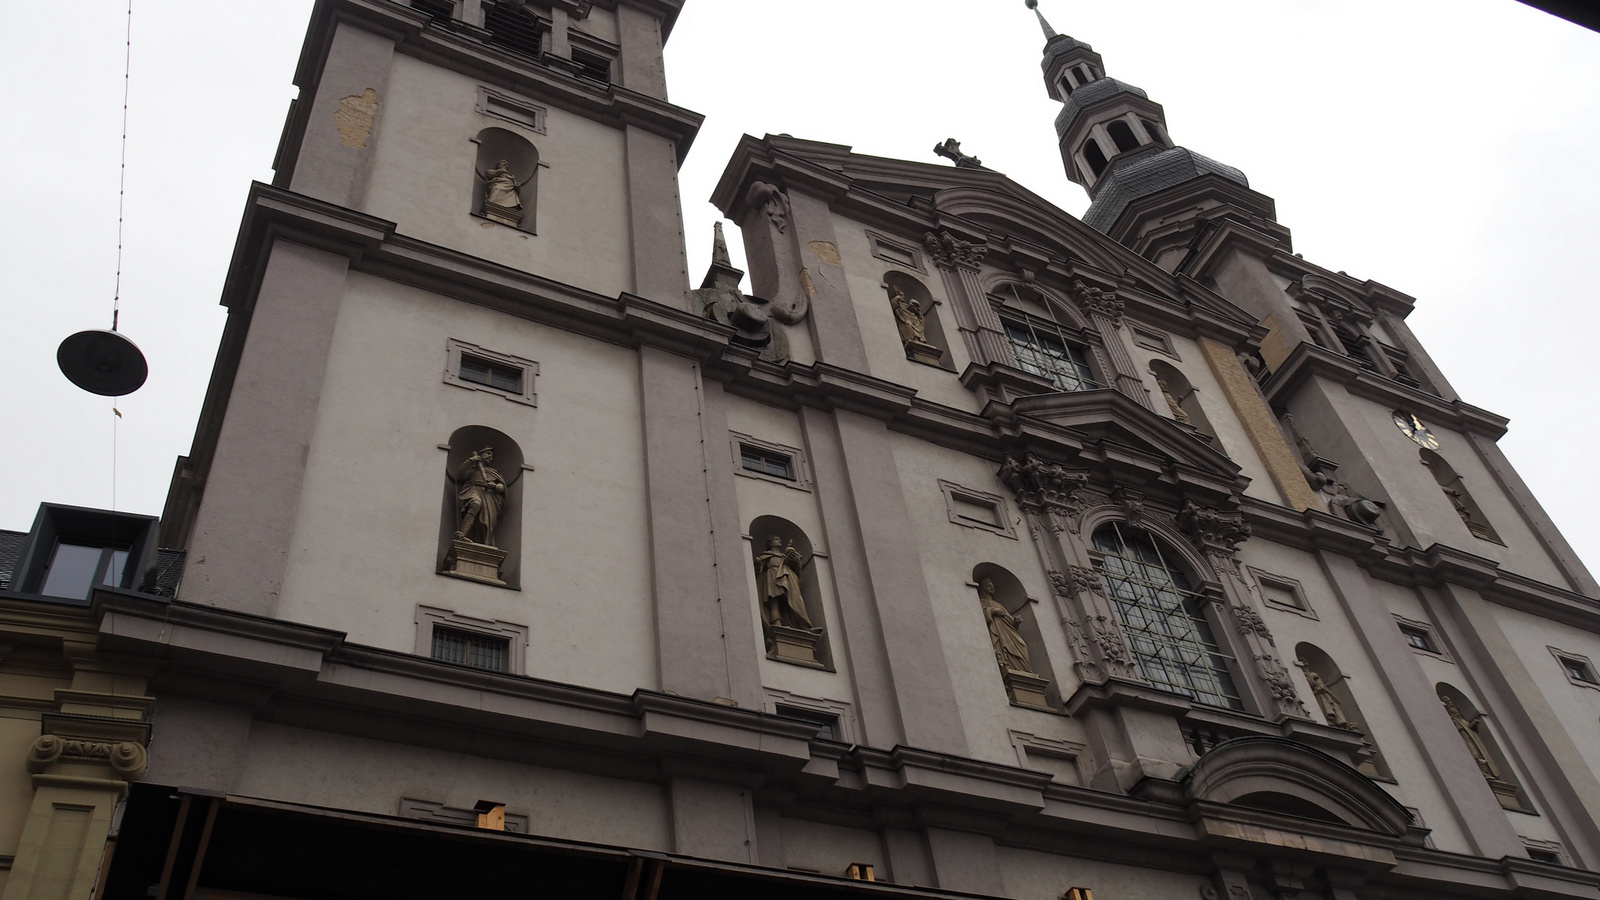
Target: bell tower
{"x":1147,"y":192}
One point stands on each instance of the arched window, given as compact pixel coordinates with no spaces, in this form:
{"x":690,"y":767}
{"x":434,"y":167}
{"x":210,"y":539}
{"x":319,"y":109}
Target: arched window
{"x":1180,"y":397}
{"x":1014,"y":635}
{"x":1475,"y":732}
{"x":1094,"y":156}
{"x":1331,"y":689}
{"x":917,"y":320}
{"x":480,"y":529}
{"x":1456,"y":492}
{"x":1083,"y":75}
{"x":785,"y":563}
{"x":1122,"y":135}
{"x":1154,"y":130}
{"x":1163,"y":617}
{"x":506,"y":179}
{"x":1041,"y":345}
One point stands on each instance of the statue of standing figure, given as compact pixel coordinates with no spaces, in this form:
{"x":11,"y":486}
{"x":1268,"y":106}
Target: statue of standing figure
{"x":480,"y":493}
{"x":909,"y":318}
{"x":778,"y":574}
{"x":501,"y":187}
{"x":1473,"y":740}
{"x":1332,"y":709}
{"x":1010,"y":650}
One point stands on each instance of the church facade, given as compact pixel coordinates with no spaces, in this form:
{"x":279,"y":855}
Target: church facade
{"x":969,"y":547}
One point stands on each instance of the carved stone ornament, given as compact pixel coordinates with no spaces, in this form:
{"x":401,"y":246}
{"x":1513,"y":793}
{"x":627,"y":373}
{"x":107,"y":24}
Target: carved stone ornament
{"x":1039,"y":484}
{"x":751,"y":318}
{"x":951,"y":150}
{"x":1132,"y":503}
{"x":1212,"y":528}
{"x":770,"y":200}
{"x":1112,"y":648}
{"x":949,"y":251}
{"x":1332,"y":709}
{"x":1250,"y":622}
{"x":1277,"y":680}
{"x":502,"y":199}
{"x":126,"y":758}
{"x":1098,"y":302}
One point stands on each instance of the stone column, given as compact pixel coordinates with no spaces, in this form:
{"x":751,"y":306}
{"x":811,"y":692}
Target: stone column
{"x":958,"y":262}
{"x":1104,"y":310}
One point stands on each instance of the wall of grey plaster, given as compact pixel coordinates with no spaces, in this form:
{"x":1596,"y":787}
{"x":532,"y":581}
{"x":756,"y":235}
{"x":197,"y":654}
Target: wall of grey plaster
{"x":950,"y":552}
{"x":639,"y":33}
{"x":334,"y":162}
{"x":364,"y":545}
{"x":422,"y":180}
{"x":198,"y":744}
{"x":713,"y":821}
{"x":1577,"y":707}
{"x":655,"y":215}
{"x":829,"y":849}
{"x":965,"y":861}
{"x":835,"y":329}
{"x":237,"y":547}
{"x":343,"y":772}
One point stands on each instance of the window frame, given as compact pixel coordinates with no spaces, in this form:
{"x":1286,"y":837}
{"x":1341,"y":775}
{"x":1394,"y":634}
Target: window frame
{"x":1286,"y":584}
{"x":837,"y":710}
{"x":1034,"y":324}
{"x":430,"y":618}
{"x":1429,"y":635}
{"x":883,"y":247}
{"x":953,"y":492}
{"x":1195,"y":605}
{"x":529,"y":368}
{"x":797,"y":459}
{"x":1565,"y":658}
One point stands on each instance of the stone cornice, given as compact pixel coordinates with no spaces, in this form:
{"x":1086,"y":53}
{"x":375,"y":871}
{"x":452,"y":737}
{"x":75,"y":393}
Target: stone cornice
{"x":1308,"y":360}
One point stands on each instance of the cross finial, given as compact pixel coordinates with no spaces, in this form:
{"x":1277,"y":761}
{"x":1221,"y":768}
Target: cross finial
{"x":1043,"y":23}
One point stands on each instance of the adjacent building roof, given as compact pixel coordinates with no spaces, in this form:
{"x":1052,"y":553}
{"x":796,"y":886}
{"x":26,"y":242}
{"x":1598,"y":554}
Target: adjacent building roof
{"x":11,"y":544}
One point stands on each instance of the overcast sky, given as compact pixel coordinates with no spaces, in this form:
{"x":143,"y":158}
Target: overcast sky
{"x":1444,"y":148}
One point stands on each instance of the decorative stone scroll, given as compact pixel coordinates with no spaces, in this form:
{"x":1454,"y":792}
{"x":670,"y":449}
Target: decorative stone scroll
{"x":949,"y":251}
{"x":771,"y":201}
{"x":1045,"y":488}
{"x":126,"y":758}
{"x":1214,"y":530}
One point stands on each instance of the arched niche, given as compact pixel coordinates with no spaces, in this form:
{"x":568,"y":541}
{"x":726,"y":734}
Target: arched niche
{"x":930,"y":347}
{"x":1460,"y":498}
{"x":1182,"y":399}
{"x":507,"y":533}
{"x":1338,"y":704}
{"x":1010,"y":594}
{"x":1471,"y":723}
{"x":780,"y":644}
{"x":521,"y":166}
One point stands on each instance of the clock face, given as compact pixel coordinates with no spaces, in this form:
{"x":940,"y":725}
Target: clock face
{"x":1414,"y":429}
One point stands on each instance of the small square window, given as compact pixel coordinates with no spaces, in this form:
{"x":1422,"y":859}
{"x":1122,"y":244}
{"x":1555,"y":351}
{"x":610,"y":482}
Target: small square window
{"x":1418,"y":638}
{"x":592,"y":67}
{"x":1282,"y":593}
{"x":1578,"y":669}
{"x":1547,"y":852}
{"x":766,"y":462}
{"x":472,"y":367}
{"x":831,"y":717}
{"x":828,"y":724}
{"x":465,"y":648}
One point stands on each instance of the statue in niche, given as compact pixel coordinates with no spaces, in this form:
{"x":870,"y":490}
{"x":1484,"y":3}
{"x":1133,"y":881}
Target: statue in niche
{"x":1172,"y":403}
{"x":908,"y":316}
{"x":778,"y":574}
{"x":501,"y":187}
{"x":1332,"y":709}
{"x":1473,"y":740}
{"x":481,"y":492}
{"x":1010,"y":650}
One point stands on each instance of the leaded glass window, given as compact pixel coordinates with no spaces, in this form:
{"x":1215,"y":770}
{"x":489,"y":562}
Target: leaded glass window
{"x":1042,"y":349}
{"x":1164,"y":618}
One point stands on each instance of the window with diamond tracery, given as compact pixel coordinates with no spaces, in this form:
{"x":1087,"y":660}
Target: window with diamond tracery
{"x":1164,"y":618}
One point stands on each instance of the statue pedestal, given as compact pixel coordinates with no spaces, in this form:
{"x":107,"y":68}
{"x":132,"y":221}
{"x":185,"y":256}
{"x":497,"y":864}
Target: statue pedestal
{"x":793,"y":645}
{"x":1026,"y":689}
{"x":1506,"y":793}
{"x":928,"y":354}
{"x":475,"y":562}
{"x":504,"y":214}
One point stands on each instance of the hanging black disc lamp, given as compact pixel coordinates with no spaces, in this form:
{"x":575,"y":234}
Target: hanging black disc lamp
{"x":102,"y":362}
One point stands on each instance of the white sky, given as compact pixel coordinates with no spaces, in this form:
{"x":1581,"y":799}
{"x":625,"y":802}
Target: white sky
{"x":1445,"y":148}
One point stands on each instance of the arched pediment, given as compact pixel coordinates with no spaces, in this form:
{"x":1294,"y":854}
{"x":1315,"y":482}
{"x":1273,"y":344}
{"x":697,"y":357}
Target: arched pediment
{"x":1273,"y":775}
{"x":1033,"y":219}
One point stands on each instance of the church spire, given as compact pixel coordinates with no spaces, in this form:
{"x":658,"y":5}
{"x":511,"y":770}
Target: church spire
{"x":1043,"y":22}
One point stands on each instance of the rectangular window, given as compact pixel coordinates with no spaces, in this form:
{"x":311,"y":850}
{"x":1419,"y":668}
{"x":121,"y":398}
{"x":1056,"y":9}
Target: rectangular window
{"x":593,"y":67}
{"x":465,"y":648}
{"x":76,"y":568}
{"x":1419,"y":638}
{"x":1579,"y":670}
{"x":829,"y":730}
{"x":491,"y":374}
{"x":766,"y":462}
{"x":1042,"y":349}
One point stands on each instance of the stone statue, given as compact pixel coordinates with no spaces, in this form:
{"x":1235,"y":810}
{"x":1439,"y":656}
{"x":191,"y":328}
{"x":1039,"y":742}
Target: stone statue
{"x":480,"y":494}
{"x":1459,"y":501}
{"x":1332,"y":709}
{"x":909,"y":318}
{"x":1172,"y":403}
{"x":778,"y":576}
{"x":501,"y":187}
{"x":1473,"y":740}
{"x":1010,"y":650}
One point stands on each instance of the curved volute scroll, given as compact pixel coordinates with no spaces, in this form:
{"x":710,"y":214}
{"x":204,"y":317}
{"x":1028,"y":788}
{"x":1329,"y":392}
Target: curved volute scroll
{"x":1274,"y":775}
{"x":776,"y":272}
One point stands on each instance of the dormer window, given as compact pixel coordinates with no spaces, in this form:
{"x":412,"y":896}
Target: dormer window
{"x":77,"y":566}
